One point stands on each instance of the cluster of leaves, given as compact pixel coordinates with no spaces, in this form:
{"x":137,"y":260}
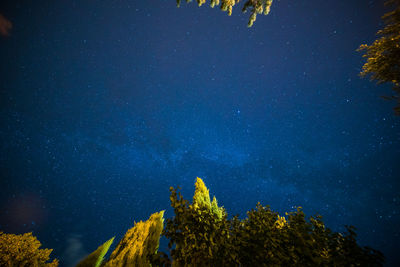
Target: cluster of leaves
{"x":265,"y":237}
{"x":383,"y":56}
{"x":23,"y":250}
{"x":198,"y":237}
{"x":200,"y":234}
{"x":255,"y":6}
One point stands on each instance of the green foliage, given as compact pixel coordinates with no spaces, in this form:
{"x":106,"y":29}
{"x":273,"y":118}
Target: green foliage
{"x":138,"y":247}
{"x":96,"y":258}
{"x":383,"y":56}
{"x":256,"y":7}
{"x":23,"y":250}
{"x":199,"y":237}
{"x":139,"y":244}
{"x":201,"y":199}
{"x":259,"y":238}
{"x":200,"y":234}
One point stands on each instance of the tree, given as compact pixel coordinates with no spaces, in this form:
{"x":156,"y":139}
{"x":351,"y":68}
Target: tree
{"x":23,"y":250}
{"x":255,"y":6}
{"x":199,"y":236}
{"x":383,"y":56}
{"x":138,"y":247}
{"x":199,"y":232}
{"x":139,"y":244}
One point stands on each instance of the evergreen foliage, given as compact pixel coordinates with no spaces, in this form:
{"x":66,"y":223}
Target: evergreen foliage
{"x":383,"y":56}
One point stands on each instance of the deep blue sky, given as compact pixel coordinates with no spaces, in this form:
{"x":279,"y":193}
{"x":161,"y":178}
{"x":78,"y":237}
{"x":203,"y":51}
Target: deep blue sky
{"x":104,"y":105}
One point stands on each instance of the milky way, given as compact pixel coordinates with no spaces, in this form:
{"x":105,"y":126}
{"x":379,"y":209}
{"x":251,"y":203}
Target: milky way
{"x":104,"y":106}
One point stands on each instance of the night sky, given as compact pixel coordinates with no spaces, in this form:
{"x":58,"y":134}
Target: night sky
{"x":106,"y":104}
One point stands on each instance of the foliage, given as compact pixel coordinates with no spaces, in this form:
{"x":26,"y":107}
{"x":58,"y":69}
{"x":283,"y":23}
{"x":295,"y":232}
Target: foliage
{"x":139,"y":244}
{"x":256,"y":6}
{"x":199,"y":237}
{"x":201,"y":199}
{"x":23,"y":250}
{"x":96,"y":258}
{"x":200,"y":234}
{"x":383,"y":56}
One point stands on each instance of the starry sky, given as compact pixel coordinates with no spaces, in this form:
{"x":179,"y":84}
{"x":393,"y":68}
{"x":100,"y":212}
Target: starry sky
{"x":105,"y":105}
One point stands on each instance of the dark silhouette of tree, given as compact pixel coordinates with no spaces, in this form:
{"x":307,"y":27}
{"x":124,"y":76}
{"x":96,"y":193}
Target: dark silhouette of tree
{"x":383,"y":56}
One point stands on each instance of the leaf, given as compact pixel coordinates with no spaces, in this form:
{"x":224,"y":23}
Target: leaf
{"x":96,"y":257}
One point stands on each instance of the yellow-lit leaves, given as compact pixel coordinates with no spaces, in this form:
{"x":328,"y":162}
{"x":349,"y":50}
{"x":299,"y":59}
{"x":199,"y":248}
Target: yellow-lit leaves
{"x":23,"y":250}
{"x":139,"y":243}
{"x":227,"y":5}
{"x":96,"y":257}
{"x":200,"y":2}
{"x":200,"y":236}
{"x":280,"y":222}
{"x":257,"y":7}
{"x":383,"y":55}
{"x":201,"y":197}
{"x":199,"y":230}
{"x":214,"y":3}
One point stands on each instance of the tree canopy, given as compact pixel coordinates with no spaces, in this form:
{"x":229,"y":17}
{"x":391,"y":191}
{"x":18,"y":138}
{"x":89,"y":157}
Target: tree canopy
{"x":23,"y":250}
{"x":201,"y":234}
{"x":383,"y":55}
